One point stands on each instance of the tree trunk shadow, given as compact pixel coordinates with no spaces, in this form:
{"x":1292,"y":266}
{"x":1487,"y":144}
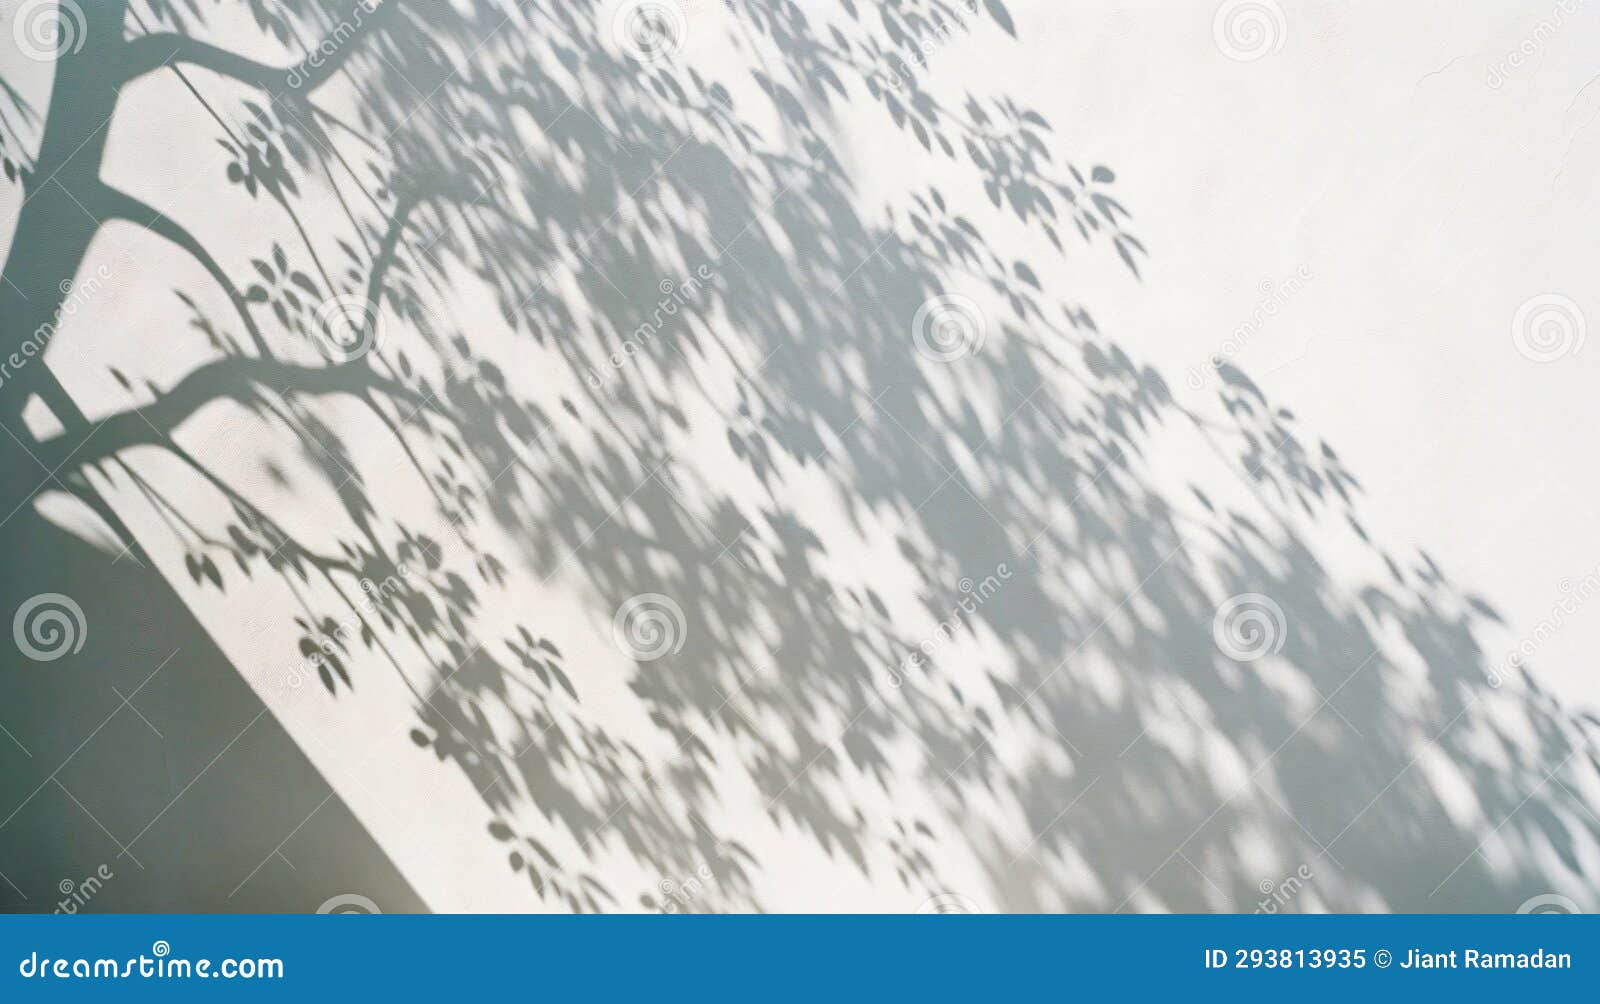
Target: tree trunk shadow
{"x":125,"y":759}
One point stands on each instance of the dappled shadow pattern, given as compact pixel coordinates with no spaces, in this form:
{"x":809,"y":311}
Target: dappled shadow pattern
{"x":684,"y":261}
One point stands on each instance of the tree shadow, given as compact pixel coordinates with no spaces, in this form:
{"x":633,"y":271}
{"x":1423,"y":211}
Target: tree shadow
{"x":876,"y":511}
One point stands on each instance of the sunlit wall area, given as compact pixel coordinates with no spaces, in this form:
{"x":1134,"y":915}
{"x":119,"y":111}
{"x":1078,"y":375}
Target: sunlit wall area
{"x":664,"y":455}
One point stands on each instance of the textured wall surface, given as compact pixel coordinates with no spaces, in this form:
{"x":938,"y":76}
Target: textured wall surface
{"x":692,"y":456}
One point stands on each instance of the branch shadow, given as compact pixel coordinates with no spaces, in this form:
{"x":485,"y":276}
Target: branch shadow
{"x":890,"y":510}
